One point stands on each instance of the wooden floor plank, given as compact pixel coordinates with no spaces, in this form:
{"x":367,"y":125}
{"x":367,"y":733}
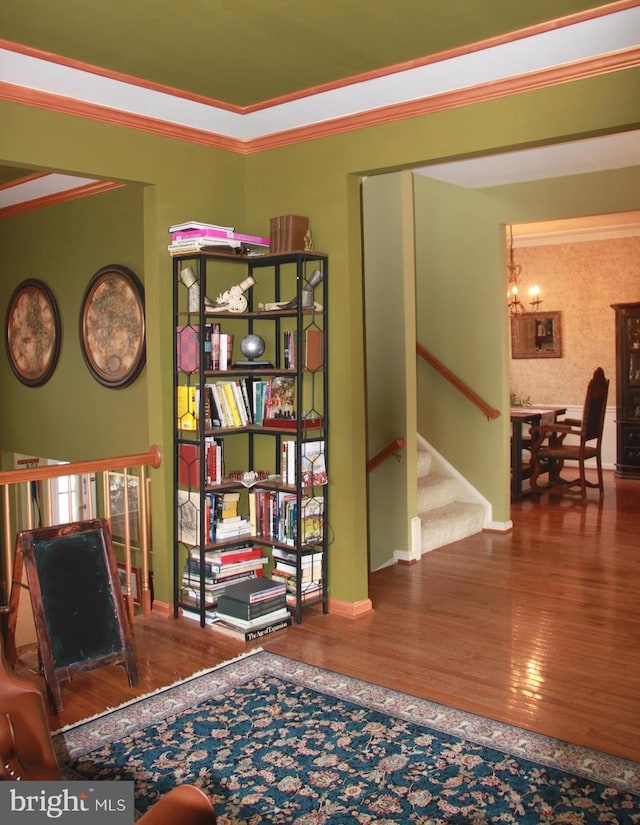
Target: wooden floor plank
{"x":539,"y":628}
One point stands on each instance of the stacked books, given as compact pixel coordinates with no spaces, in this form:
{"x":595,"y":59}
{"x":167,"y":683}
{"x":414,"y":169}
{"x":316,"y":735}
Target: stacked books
{"x":194,"y":236}
{"x":228,"y":522}
{"x":286,"y":572}
{"x":220,"y":569}
{"x":251,"y":609}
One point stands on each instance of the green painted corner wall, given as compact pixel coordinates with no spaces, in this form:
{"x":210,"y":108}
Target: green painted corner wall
{"x":72,"y":417}
{"x":389,"y":298}
{"x":319,"y":178}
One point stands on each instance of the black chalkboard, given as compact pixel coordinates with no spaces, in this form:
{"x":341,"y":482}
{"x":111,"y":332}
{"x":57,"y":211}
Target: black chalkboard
{"x":77,"y":601}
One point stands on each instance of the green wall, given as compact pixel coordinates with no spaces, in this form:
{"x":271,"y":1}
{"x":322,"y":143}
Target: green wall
{"x":389,"y":298}
{"x":319,"y":178}
{"x":72,"y":417}
{"x":461,"y":319}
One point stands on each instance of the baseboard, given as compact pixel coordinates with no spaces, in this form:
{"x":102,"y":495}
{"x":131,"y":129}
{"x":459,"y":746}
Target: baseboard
{"x":163,"y":609}
{"x":498,"y":527}
{"x":350,"y":610}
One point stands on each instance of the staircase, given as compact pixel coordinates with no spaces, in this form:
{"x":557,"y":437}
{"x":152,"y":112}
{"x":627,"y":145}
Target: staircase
{"x":446,"y":510}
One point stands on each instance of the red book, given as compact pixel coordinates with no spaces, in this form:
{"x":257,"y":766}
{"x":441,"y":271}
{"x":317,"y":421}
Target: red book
{"x":246,"y":554}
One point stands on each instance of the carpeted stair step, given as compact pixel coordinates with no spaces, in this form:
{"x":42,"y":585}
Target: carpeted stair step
{"x":451,"y":522}
{"x":436,"y":491}
{"x":424,"y":463}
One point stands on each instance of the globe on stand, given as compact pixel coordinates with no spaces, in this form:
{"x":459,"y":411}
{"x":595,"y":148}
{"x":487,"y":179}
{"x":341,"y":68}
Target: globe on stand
{"x":252,"y":346}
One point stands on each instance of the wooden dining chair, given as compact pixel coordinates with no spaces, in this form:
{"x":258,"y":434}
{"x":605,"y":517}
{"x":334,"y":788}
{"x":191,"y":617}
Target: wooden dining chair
{"x":550,"y":450}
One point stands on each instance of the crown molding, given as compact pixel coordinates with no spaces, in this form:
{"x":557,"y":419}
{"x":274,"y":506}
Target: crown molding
{"x":578,"y":234}
{"x":62,"y":196}
{"x":573,"y":48}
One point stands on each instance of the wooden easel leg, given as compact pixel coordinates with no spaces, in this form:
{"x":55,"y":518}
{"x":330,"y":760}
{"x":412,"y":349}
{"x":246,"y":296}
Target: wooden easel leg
{"x":54,"y":692}
{"x":131,"y":667}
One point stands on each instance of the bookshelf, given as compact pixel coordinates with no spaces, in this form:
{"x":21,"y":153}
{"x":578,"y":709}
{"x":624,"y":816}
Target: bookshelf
{"x":251,"y":426}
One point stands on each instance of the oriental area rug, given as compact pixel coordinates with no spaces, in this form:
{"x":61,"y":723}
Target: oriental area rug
{"x":276,"y":741}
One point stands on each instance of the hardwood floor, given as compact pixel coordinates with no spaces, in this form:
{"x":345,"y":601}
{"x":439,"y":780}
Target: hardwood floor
{"x":539,"y":628}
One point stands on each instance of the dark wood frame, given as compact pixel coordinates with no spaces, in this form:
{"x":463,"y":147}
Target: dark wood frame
{"x":112,"y":326}
{"x":28,"y":545}
{"x":34,"y":374}
{"x":528,"y":342}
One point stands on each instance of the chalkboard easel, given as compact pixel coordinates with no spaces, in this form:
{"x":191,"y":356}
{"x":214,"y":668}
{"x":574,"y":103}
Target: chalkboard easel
{"x":78,"y":608}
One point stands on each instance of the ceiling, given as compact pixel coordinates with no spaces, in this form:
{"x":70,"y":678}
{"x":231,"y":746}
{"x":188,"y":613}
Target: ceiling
{"x":223,"y":70}
{"x":243,"y":53}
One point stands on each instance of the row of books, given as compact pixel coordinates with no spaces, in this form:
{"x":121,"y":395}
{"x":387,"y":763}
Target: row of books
{"x":242,"y":401}
{"x":190,"y":523}
{"x":217,"y":348}
{"x":313,"y":467}
{"x":289,"y":232}
{"x":274,"y":514}
{"x":189,"y":474}
{"x":312,"y":349}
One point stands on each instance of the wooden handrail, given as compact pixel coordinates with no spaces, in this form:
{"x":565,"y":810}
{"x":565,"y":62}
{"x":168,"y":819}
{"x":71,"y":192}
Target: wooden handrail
{"x":98,"y":465}
{"x":391,"y":449}
{"x":453,"y":379}
{"x":28,"y":473}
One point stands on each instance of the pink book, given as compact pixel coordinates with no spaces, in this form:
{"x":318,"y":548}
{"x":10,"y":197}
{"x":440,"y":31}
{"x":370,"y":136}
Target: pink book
{"x":190,"y":234}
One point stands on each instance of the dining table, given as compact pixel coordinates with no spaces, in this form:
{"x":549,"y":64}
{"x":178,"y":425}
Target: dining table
{"x":522,"y":417}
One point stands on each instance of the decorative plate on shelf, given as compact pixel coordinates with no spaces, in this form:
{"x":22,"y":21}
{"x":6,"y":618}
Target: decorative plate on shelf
{"x":32,"y":332}
{"x":112,"y":326}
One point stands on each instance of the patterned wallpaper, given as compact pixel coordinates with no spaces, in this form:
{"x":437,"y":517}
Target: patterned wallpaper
{"x":581,"y":280}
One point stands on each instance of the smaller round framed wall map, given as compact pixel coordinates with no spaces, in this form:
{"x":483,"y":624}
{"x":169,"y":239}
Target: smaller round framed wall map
{"x":32,"y":332}
{"x":112,"y":326}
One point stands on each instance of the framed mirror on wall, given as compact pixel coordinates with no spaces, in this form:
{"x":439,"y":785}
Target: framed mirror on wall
{"x":536,"y":335}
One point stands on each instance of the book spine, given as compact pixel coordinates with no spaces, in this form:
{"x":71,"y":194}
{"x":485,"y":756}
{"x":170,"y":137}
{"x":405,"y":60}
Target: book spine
{"x":250,"y":635}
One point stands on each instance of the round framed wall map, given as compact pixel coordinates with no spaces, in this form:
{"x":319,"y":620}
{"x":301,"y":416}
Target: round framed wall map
{"x":112,"y":326}
{"x":32,"y":332}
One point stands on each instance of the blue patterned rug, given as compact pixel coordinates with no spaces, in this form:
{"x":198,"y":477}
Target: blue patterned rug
{"x":275,"y":741}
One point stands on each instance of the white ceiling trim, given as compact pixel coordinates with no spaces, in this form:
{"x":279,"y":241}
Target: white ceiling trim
{"x":42,"y":187}
{"x":587,"y":39}
{"x":578,"y":157}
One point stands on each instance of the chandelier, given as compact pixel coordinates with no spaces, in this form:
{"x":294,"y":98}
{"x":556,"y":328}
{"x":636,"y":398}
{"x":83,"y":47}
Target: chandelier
{"x":516,"y":307}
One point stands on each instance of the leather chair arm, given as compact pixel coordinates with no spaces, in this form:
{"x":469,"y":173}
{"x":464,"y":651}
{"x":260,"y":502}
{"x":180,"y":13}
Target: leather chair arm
{"x":186,"y":804}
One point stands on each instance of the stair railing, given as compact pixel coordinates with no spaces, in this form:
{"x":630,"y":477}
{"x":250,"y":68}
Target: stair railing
{"x":21,"y":496}
{"x":393,"y":448}
{"x":458,"y":383}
